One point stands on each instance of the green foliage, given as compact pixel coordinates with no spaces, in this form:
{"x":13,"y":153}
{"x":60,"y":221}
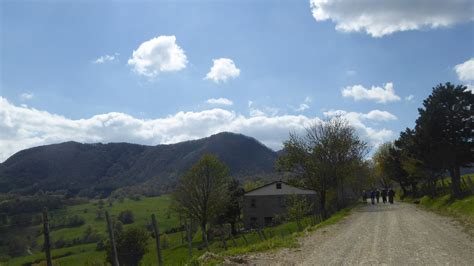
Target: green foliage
{"x":297,"y":207}
{"x":126,"y":217}
{"x":132,"y":245}
{"x":202,"y":193}
{"x":164,"y":241}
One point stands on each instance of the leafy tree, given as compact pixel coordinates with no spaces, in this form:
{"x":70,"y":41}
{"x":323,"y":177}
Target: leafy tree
{"x":323,"y":157}
{"x":126,"y":217}
{"x":444,"y":130}
{"x":297,"y":207}
{"x":233,"y":208}
{"x":132,"y":245}
{"x":388,"y":166}
{"x":202,"y":193}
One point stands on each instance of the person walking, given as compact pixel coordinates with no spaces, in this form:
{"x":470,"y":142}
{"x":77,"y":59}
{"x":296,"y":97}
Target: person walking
{"x":384,"y":195}
{"x":391,"y":194}
{"x":364,"y":196}
{"x":372,"y":196}
{"x":377,"y":195}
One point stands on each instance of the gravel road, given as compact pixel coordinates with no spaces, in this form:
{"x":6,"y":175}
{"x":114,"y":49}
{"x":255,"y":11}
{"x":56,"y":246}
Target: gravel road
{"x":399,"y":234}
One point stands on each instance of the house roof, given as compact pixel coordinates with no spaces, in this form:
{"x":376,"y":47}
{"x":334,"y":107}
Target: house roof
{"x":286,"y":190}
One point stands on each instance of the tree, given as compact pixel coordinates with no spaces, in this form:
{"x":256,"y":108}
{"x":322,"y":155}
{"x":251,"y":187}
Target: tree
{"x":132,"y":245}
{"x":388,"y":166}
{"x":233,"y":209}
{"x":444,"y":130}
{"x":323,"y":157}
{"x":297,"y":208}
{"x":202,"y":192}
{"x":126,"y":217}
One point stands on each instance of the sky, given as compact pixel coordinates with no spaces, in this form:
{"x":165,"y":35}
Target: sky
{"x":159,"y":72}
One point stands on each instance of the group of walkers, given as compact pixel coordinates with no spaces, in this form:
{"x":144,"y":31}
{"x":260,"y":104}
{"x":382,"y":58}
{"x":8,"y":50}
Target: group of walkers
{"x":375,"y":195}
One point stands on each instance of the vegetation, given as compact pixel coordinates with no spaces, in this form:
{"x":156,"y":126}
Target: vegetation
{"x":202,"y":193}
{"x":132,"y":245}
{"x":297,"y":207}
{"x":440,"y":142}
{"x":324,"y":158}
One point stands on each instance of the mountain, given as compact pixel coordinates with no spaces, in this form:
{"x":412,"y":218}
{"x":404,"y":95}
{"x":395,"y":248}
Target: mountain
{"x":76,"y":167}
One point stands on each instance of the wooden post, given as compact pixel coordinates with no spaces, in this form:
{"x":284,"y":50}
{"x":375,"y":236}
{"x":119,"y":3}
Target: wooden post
{"x":115,"y":261}
{"x":156,"y":231}
{"x":224,"y":243}
{"x":47,"y":242}
{"x":263,"y":234}
{"x":190,"y":240}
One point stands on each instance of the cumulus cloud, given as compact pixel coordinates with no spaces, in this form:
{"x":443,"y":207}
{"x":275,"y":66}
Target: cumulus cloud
{"x":26,"y":96}
{"x":465,"y":70}
{"x":220,"y":101}
{"x":383,"y":17}
{"x":160,"y":54}
{"x":106,"y":58}
{"x":304,"y":105}
{"x":409,"y":98}
{"x":222,"y":69}
{"x":374,"y":136}
{"x":375,"y":93}
{"x":24,"y":127}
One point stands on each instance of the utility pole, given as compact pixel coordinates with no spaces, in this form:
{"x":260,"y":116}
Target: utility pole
{"x":115,"y":261}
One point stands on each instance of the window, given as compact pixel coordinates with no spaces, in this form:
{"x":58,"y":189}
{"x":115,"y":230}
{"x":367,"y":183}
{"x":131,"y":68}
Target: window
{"x":253,"y":203}
{"x":278,"y":185}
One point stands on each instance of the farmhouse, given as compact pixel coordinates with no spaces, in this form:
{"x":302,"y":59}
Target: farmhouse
{"x":263,"y":204}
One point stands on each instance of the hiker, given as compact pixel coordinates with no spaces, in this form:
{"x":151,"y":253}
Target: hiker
{"x":372,"y":196}
{"x":364,"y":196}
{"x":384,"y":195}
{"x":377,"y":195}
{"x":391,"y":194}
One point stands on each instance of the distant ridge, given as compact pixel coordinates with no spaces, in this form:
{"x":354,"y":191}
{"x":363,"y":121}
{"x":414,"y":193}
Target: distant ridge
{"x":75,"y":167}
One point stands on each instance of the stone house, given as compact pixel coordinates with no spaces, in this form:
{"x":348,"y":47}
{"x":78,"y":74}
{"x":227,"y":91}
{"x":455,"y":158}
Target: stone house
{"x":261,"y":205}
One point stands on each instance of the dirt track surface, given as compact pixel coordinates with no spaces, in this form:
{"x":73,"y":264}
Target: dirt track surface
{"x":399,"y":234}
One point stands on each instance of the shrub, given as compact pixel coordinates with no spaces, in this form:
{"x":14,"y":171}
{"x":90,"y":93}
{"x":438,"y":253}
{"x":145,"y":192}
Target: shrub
{"x":165,"y":242}
{"x":132,"y":245}
{"x":126,"y":217}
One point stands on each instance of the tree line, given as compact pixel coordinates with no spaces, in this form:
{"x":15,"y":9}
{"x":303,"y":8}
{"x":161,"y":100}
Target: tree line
{"x":439,"y":145}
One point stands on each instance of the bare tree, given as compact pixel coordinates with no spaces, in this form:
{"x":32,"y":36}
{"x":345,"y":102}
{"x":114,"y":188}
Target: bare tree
{"x":202,"y":193}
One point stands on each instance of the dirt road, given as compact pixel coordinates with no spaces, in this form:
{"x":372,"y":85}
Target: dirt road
{"x":399,"y":234}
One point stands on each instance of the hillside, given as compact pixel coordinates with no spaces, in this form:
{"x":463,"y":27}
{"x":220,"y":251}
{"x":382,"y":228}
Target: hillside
{"x":75,"y":167}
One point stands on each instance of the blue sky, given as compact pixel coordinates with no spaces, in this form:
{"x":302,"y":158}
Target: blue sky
{"x":288,"y":63}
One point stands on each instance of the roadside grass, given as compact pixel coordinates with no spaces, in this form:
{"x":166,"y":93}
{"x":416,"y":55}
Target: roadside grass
{"x":460,"y":208}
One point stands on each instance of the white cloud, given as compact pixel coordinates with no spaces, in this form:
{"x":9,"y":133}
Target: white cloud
{"x":378,"y":94}
{"x":24,"y":127}
{"x":374,"y":136}
{"x":409,"y":98}
{"x":106,"y":58}
{"x":465,"y":70}
{"x":160,"y":54}
{"x":26,"y":96}
{"x":470,"y":88}
{"x":220,"y":101}
{"x":383,"y":17}
{"x":304,"y":105}
{"x":223,"y":69}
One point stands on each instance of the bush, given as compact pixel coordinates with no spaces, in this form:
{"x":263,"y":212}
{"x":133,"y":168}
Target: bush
{"x":126,"y":217}
{"x":132,"y":245}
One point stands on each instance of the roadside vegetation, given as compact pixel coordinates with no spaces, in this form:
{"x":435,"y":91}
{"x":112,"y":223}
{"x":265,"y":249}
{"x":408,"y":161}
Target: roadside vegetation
{"x":426,"y":162}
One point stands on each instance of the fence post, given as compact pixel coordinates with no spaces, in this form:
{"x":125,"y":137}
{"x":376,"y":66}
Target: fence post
{"x":47,"y":242}
{"x":156,"y":231}
{"x":190,"y":245}
{"x":115,"y":261}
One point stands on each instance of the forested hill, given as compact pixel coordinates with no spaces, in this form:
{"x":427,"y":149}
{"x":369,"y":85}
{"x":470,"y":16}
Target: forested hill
{"x":77,"y":167}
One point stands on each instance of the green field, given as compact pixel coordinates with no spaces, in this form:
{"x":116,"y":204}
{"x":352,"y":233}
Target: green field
{"x":177,"y":254}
